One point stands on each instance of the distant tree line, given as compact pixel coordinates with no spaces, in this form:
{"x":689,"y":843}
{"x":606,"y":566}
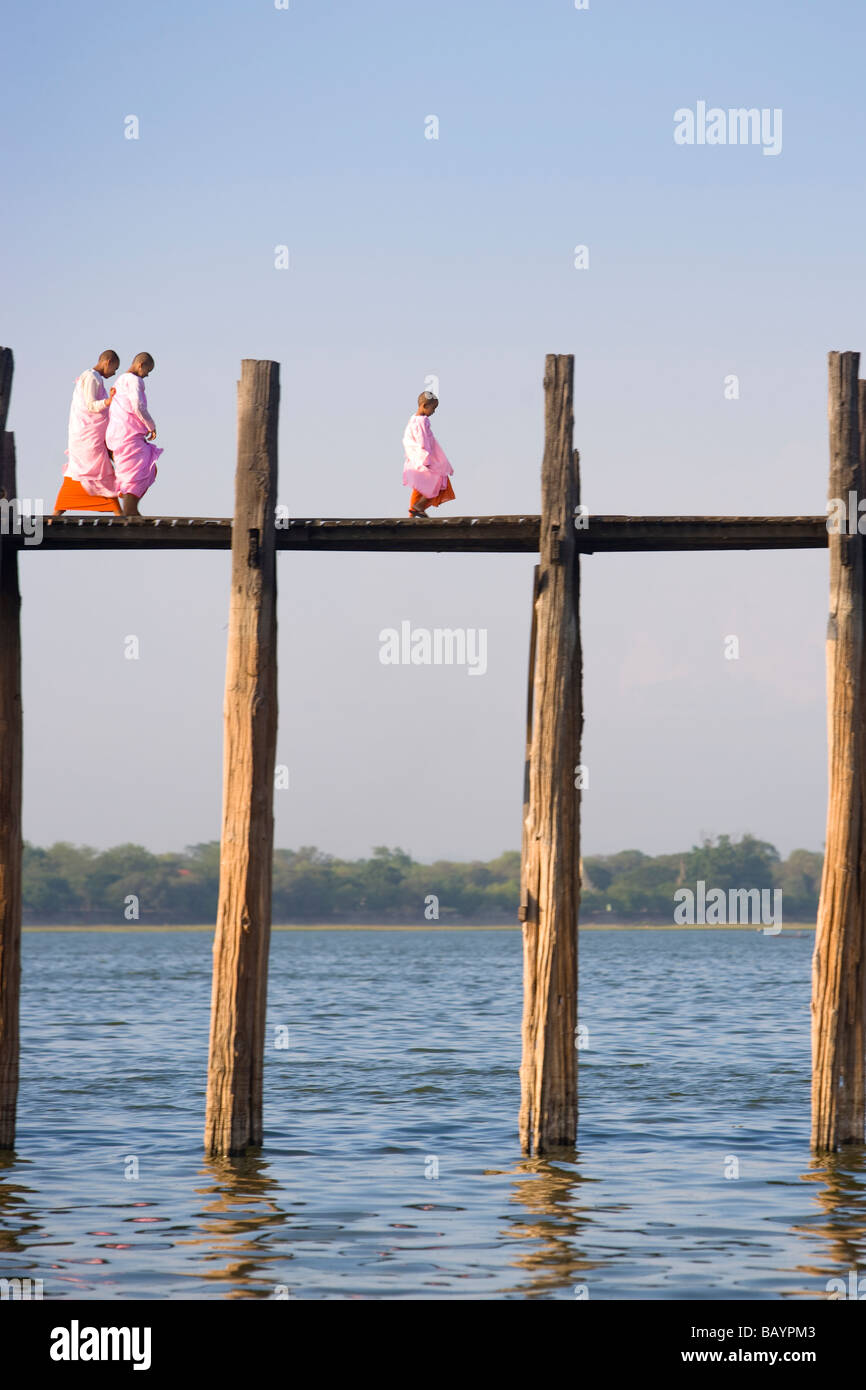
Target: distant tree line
{"x":72,"y":884}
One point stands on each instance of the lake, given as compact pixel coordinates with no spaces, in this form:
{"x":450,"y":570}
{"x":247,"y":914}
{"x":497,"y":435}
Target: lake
{"x":391,"y":1167}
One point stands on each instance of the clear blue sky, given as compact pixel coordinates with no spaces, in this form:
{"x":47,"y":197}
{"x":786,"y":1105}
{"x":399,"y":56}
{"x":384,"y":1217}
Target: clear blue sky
{"x":261,"y":127}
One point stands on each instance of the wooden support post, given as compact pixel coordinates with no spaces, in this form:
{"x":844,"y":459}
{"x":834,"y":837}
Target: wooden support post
{"x":240,"y":972}
{"x":10,"y":773}
{"x":550,"y":868}
{"x":838,"y":979}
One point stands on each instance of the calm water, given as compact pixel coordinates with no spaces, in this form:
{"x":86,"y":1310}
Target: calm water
{"x":403,"y":1054}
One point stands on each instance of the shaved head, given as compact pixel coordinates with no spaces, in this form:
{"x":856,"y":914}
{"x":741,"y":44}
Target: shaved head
{"x":109,"y":355}
{"x":143,"y":359}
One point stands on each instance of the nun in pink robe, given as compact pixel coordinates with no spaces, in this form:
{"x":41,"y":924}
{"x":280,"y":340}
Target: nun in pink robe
{"x":129,"y":421}
{"x":426,"y":468}
{"x":88,"y":461}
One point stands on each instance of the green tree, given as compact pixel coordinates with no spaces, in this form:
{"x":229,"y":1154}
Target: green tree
{"x":726,"y":864}
{"x":799,"y":877}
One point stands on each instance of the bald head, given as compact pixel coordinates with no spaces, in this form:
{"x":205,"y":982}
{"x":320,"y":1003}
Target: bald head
{"x":142,"y":364}
{"x":107,"y":363}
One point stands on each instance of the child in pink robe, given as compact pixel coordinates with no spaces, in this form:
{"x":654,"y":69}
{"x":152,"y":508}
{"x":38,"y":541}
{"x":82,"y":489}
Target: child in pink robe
{"x":130,"y":434}
{"x":426,"y":467}
{"x":89,"y":462}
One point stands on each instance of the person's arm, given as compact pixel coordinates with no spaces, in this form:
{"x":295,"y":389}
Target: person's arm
{"x":89,"y":388}
{"x":440,"y":458}
{"x":417,"y":442}
{"x":141,"y":410}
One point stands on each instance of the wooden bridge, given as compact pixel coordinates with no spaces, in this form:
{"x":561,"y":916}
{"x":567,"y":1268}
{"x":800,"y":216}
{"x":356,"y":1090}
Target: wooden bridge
{"x":471,"y":535}
{"x":550,"y":874}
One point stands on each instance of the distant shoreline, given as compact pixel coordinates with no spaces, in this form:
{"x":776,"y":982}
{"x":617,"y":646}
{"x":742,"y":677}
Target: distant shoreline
{"x":429,"y":927}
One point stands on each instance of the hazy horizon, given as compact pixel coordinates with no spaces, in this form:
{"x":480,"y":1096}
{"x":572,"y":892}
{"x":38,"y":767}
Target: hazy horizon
{"x":507,"y":849}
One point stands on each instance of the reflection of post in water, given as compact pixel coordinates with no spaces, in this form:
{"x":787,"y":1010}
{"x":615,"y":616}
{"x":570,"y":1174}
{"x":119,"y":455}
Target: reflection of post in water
{"x":839,"y":1189}
{"x":237,"y":1223}
{"x":17,"y":1218}
{"x":550,"y":1194}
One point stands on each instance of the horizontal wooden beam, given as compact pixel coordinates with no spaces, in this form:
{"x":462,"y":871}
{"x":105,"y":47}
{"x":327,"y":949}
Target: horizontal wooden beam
{"x":703,"y":533}
{"x":482,"y":534}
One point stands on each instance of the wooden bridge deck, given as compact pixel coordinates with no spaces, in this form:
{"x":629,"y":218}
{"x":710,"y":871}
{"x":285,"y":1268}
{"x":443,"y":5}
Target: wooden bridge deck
{"x":482,"y":534}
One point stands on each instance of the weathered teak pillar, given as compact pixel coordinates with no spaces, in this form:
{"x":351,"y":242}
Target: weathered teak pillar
{"x":10,"y":775}
{"x":237,"y":1037}
{"x":550,"y":869}
{"x":838,"y":998}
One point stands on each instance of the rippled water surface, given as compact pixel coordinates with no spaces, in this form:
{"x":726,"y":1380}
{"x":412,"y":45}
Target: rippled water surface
{"x":402,"y":1060}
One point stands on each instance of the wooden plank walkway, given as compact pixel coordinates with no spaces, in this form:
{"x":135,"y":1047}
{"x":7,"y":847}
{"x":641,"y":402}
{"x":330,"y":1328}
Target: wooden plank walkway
{"x":479,"y":534}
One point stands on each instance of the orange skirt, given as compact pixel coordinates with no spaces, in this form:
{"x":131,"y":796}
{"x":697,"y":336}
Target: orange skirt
{"x":445,"y":495}
{"x":73,"y":498}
